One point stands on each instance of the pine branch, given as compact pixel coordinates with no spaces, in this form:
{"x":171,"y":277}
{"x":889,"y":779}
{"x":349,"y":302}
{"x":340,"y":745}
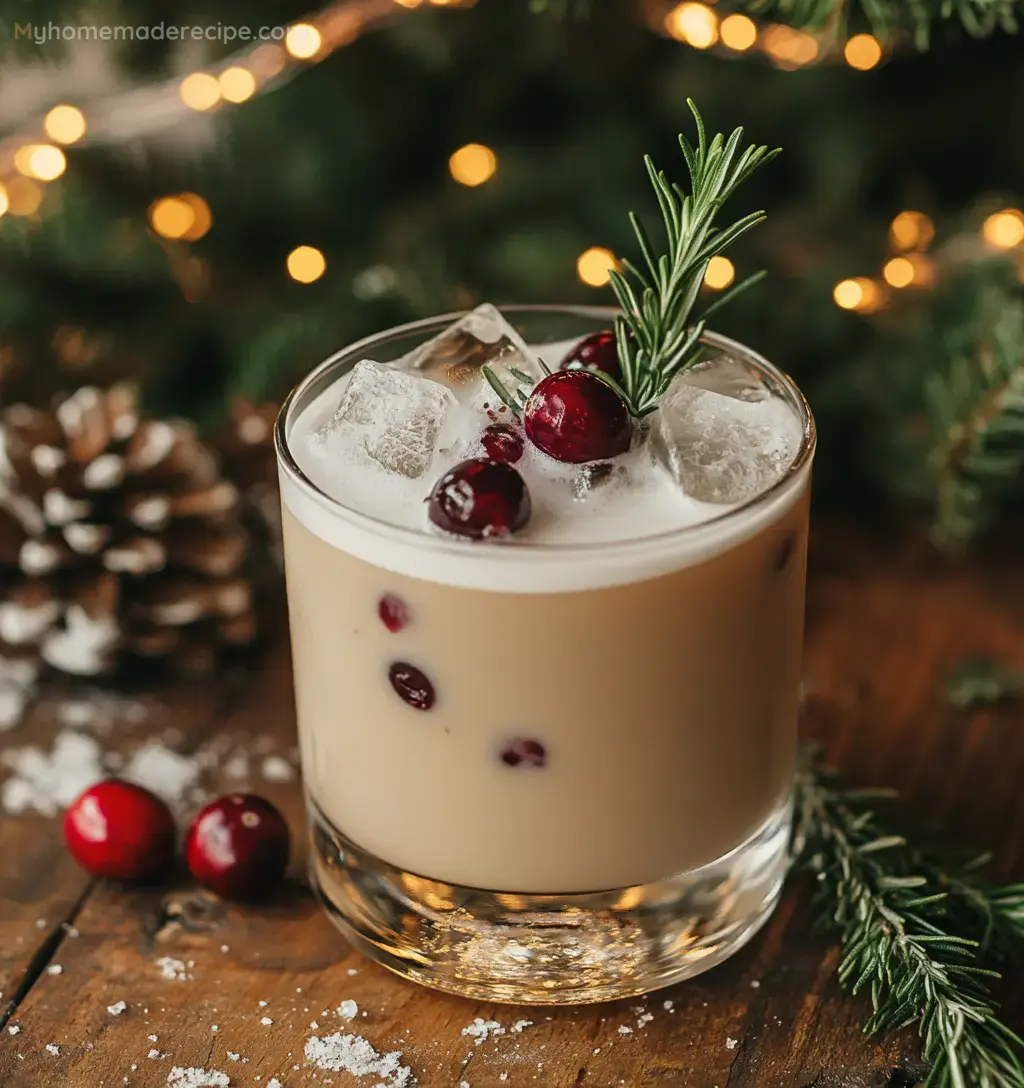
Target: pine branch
{"x":910,"y":932}
{"x":976,"y":412}
{"x":657,"y":335}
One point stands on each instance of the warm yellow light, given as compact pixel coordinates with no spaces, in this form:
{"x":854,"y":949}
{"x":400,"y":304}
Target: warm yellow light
{"x":303,"y":41}
{"x":42,"y":161}
{"x":1004,"y":229}
{"x":924,"y":269}
{"x":237,"y":84}
{"x":911,"y":230}
{"x":306,"y":264}
{"x":473,"y":164}
{"x":23,"y":196}
{"x":3,"y":201}
{"x":409,"y":3}
{"x":172,"y":216}
{"x":899,"y":272}
{"x":65,"y":124}
{"x":200,"y":91}
{"x":202,"y":217}
{"x":862,"y":52}
{"x":720,"y":273}
{"x":693,"y":23}
{"x":738,"y":32}
{"x":594,"y":265}
{"x":790,"y":48}
{"x":857,"y":294}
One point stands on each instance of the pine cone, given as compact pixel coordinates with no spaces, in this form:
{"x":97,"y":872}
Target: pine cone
{"x":246,"y":447}
{"x":118,"y":538}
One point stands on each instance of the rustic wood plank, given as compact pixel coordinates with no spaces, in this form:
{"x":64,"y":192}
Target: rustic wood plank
{"x":884,"y":624}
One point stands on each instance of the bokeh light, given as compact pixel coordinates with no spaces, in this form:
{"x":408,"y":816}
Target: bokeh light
{"x":42,"y":161}
{"x":23,"y":196}
{"x":911,"y":230}
{"x":860,"y":294}
{"x":693,"y":23}
{"x":65,"y":124}
{"x":738,"y":32}
{"x":303,"y":41}
{"x":306,"y":264}
{"x":862,"y":52}
{"x":1004,"y":229}
{"x":594,"y":265}
{"x":473,"y":164}
{"x":200,"y":91}
{"x":720,"y":273}
{"x":237,"y":84}
{"x":4,"y":203}
{"x":171,"y":217}
{"x":899,"y":272}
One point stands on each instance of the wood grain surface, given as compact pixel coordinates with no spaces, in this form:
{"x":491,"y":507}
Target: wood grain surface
{"x":885,"y":623}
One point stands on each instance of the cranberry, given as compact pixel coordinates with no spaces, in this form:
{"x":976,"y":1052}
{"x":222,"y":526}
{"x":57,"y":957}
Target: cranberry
{"x":412,"y":685}
{"x":480,"y":498}
{"x":502,"y":443}
{"x":393,"y":612}
{"x":574,"y":416}
{"x":118,"y":830}
{"x":238,"y":846}
{"x":524,"y":752}
{"x":595,"y":352}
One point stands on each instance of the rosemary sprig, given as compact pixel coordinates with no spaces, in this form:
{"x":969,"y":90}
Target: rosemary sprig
{"x":656,"y":335}
{"x":910,"y":930}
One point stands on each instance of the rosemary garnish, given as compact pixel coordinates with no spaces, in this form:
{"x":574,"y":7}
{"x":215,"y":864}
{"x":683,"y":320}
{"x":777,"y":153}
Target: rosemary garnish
{"x":911,"y":928}
{"x":656,"y":334}
{"x":983,"y":681}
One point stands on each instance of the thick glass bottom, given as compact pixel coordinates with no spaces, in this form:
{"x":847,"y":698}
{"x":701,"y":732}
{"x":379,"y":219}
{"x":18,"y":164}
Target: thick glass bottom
{"x":550,"y":949}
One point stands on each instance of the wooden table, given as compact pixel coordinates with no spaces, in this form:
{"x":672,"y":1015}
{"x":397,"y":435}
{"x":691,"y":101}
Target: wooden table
{"x":884,"y":622}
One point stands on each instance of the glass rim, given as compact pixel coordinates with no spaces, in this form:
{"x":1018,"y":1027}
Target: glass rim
{"x":354,"y":351}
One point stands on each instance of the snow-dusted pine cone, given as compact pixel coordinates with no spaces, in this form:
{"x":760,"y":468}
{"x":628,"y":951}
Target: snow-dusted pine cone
{"x":118,"y":538}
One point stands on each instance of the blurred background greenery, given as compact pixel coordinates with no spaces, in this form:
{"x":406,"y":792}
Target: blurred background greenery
{"x":213,"y":217}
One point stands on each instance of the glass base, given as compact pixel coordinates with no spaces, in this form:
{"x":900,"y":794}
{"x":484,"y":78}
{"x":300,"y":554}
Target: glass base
{"x":550,"y":949}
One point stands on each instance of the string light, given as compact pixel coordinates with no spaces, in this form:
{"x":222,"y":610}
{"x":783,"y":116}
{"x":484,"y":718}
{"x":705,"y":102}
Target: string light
{"x":738,"y":32}
{"x":23,"y":196}
{"x":268,"y":60}
{"x":237,"y":84}
{"x":911,"y":230}
{"x":42,"y":161}
{"x":899,"y":272}
{"x":409,"y":3}
{"x":303,"y":41}
{"x":862,"y":52}
{"x":4,"y":202}
{"x":790,"y":48}
{"x":861,"y":294}
{"x":306,"y":264}
{"x":720,"y":273}
{"x":64,"y":124}
{"x":473,"y":164}
{"x":1004,"y":229}
{"x":200,"y":91}
{"x":594,"y":265}
{"x":693,"y":23}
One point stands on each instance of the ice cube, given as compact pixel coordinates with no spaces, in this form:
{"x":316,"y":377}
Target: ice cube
{"x":456,"y":356}
{"x":721,"y":449}
{"x":729,"y":376}
{"x":595,"y":475}
{"x":394,"y":416}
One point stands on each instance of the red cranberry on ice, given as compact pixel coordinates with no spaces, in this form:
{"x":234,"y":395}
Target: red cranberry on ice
{"x":597,"y":351}
{"x":502,"y":443}
{"x":575,"y":416}
{"x":480,"y":499}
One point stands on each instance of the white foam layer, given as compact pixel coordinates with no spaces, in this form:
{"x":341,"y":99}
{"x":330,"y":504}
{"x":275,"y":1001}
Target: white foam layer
{"x":638,"y":526}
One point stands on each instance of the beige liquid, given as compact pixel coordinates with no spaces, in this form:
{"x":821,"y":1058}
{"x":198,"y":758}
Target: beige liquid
{"x":667,"y":707}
